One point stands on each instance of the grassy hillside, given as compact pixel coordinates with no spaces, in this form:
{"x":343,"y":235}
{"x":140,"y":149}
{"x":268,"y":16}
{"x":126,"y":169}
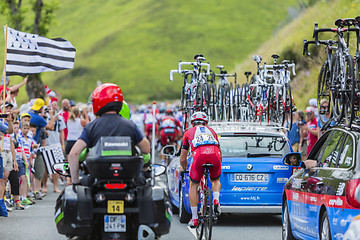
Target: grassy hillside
{"x":135,"y":43}
{"x":288,"y":43}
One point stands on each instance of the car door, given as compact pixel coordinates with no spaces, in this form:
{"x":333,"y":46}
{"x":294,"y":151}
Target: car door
{"x":318,"y":181}
{"x":298,"y":193}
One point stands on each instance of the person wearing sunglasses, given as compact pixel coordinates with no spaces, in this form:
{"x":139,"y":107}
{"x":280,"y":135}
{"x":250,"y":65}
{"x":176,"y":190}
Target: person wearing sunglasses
{"x":324,"y":114}
{"x":311,"y":128}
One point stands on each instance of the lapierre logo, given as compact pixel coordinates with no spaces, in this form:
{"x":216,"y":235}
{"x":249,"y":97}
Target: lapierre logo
{"x":116,"y":144}
{"x":335,"y":202}
{"x":244,"y":189}
{"x":280,"y":167}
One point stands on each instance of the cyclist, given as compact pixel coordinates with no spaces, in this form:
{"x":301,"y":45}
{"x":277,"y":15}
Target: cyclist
{"x":169,"y":129}
{"x":107,"y":102}
{"x":169,"y":126}
{"x":205,"y":148}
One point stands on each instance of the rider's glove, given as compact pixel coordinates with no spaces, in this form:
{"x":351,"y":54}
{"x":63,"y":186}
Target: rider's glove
{"x":147,"y":158}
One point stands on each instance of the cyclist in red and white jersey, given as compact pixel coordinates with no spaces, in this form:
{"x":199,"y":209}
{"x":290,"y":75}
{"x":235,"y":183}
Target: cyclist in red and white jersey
{"x":205,"y":148}
{"x":169,"y":127}
{"x":169,"y":130}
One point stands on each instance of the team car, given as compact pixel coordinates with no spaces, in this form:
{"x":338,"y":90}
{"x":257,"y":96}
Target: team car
{"x":253,"y":174}
{"x":322,"y":198}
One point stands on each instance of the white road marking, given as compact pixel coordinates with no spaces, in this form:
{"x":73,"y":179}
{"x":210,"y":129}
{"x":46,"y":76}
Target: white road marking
{"x":193,"y":231}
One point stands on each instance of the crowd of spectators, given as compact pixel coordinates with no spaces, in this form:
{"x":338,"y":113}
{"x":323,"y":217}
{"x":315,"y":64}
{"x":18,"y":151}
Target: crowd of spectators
{"x":24,"y":130}
{"x":306,"y":131}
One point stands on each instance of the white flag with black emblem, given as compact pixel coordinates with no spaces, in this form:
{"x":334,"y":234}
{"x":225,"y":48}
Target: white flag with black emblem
{"x":52,"y":154}
{"x":30,"y":53}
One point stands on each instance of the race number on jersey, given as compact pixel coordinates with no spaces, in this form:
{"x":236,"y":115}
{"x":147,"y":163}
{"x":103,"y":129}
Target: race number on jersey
{"x":203,"y":136}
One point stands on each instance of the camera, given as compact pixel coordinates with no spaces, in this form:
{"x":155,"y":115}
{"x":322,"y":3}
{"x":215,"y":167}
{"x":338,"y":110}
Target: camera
{"x":300,"y":123}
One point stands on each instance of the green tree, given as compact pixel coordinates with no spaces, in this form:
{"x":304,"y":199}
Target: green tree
{"x":43,"y":17}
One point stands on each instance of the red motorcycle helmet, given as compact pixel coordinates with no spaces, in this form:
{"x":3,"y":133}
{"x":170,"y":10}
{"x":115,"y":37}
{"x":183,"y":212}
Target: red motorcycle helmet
{"x":106,"y":97}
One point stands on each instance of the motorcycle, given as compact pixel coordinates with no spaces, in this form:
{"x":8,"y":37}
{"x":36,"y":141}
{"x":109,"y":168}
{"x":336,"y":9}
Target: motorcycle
{"x":116,"y":200}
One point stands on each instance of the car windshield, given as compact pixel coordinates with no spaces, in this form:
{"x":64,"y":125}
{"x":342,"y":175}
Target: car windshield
{"x":253,"y":146}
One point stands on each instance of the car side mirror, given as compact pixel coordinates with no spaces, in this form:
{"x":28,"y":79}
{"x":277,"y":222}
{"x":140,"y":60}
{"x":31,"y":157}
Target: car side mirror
{"x":293,"y":159}
{"x":62,"y":168}
{"x":169,"y":150}
{"x":159,"y":169}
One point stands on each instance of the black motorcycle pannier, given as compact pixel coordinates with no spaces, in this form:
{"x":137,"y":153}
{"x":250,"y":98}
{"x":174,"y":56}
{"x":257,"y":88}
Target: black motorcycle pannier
{"x":73,"y":211}
{"x":113,"y":158}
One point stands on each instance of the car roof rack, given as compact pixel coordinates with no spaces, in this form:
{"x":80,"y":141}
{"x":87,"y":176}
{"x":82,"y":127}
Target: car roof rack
{"x":244,"y":126}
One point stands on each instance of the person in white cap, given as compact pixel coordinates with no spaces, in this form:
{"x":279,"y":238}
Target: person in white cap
{"x":313,"y":103}
{"x":311,"y":128}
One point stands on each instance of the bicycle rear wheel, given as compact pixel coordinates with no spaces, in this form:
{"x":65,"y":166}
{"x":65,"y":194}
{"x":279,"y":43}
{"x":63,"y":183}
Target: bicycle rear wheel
{"x":323,"y":91}
{"x":287,"y":117}
{"x":335,"y":89}
{"x":202,"y":213}
{"x":349,"y":94}
{"x":209,"y":215}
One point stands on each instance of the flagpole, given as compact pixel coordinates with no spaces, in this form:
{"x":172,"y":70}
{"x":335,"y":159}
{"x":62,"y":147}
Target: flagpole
{"x":4,"y":89}
{"x":5,"y":66}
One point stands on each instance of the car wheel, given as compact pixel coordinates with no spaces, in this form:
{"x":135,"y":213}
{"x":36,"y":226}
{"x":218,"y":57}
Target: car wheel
{"x":184,"y":216}
{"x":286,"y":226}
{"x":325,"y":233}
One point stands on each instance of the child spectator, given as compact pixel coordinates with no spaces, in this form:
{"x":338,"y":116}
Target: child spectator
{"x":25,"y":140}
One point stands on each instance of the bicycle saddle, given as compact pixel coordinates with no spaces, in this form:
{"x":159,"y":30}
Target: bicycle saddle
{"x":345,"y":22}
{"x":285,"y":62}
{"x":275,"y":56}
{"x":199,"y":57}
{"x":257,"y":58}
{"x":247,"y":74}
{"x":207,"y":165}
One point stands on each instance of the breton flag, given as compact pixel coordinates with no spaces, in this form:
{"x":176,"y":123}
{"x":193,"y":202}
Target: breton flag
{"x":52,"y":154}
{"x":30,"y":53}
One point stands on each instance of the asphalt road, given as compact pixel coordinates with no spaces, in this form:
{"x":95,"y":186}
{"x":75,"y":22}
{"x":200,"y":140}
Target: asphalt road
{"x":37,"y":222}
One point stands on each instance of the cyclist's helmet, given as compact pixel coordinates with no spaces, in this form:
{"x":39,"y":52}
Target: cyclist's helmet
{"x":169,"y":111}
{"x":106,"y":97}
{"x":199,"y":117}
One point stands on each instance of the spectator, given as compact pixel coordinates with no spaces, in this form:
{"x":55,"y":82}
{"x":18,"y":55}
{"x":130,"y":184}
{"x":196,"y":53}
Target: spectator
{"x":25,"y":155}
{"x":65,"y":113}
{"x":7,"y":157}
{"x":313,"y":103}
{"x":41,"y":124}
{"x":311,"y":128}
{"x":55,"y":137}
{"x":324,"y":114}
{"x":294,"y":135}
{"x":75,"y":127}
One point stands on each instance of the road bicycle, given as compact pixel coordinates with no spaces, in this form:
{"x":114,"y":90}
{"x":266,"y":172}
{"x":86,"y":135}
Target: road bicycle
{"x":324,"y":79}
{"x":224,"y":95}
{"x":280,"y":103}
{"x":206,"y":214}
{"x":342,"y":86}
{"x":195,"y":94}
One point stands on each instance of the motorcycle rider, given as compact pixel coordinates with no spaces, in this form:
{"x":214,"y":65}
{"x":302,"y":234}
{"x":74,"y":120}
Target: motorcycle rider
{"x":107,"y":102}
{"x":205,"y":148}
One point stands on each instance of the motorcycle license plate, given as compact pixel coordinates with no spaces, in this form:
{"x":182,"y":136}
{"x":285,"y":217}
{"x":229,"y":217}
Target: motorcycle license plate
{"x":115,"y":223}
{"x":115,"y":206}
